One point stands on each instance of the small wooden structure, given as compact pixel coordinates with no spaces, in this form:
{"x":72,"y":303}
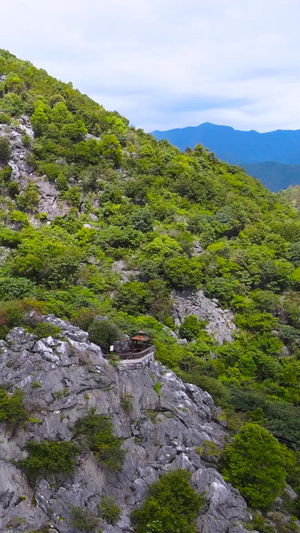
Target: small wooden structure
{"x":136,"y":352}
{"x":139,"y":342}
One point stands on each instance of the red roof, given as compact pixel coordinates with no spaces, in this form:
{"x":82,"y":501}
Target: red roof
{"x":140,"y":337}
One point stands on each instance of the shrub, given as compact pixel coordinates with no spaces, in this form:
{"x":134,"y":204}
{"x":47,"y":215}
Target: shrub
{"x":13,"y":288}
{"x":43,"y":330}
{"x":104,"y":333}
{"x":21,"y":219}
{"x":9,"y":238}
{"x":215,"y":388}
{"x":96,"y":432}
{"x":61,"y":183}
{"x":142,"y":219}
{"x":133,"y":298}
{"x":111,"y":149}
{"x":49,"y":458}
{"x":171,"y":506}
{"x":157,"y":387}
{"x":51,"y":170}
{"x":11,"y":315}
{"x":12,"y":409}
{"x":4,"y":119}
{"x":84,"y":520}
{"x":13,"y":189}
{"x":126,"y":403}
{"x":182,"y":272}
{"x":26,"y":140}
{"x":191,"y":328}
{"x":109,"y":510}
{"x":254,"y":463}
{"x":29,"y":199}
{"x":5,"y":174}
{"x":5,"y":150}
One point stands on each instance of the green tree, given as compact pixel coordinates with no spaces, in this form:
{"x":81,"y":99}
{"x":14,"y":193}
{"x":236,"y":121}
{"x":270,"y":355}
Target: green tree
{"x":109,"y":510}
{"x":12,"y":410}
{"x":171,"y":507}
{"x":97,"y":433}
{"x":49,"y":458}
{"x":254,"y":463}
{"x":133,"y":298}
{"x":104,"y":333}
{"x":111,"y":149}
{"x":182,"y":272}
{"x":191,"y":328}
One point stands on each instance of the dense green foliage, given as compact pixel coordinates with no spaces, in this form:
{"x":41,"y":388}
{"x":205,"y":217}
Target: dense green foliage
{"x":109,"y":510}
{"x":254,"y":464}
{"x":48,"y":458}
{"x":271,"y":157}
{"x":171,"y":506}
{"x":275,"y":176}
{"x":96,"y":431}
{"x":136,"y":210}
{"x":12,"y":410}
{"x":43,"y":330}
{"x":84,"y":520}
{"x":4,"y":150}
{"x":104,"y":333}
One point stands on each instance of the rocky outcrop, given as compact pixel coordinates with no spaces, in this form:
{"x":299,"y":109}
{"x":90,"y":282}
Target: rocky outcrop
{"x":162,"y":426}
{"x":125,"y":274}
{"x":220,"y":321}
{"x":22,"y":173}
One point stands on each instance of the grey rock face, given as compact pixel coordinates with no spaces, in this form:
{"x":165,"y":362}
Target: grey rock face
{"x":160,"y":433}
{"x":226,"y":506}
{"x":220,"y":321}
{"x":49,"y":202}
{"x":120,"y":268}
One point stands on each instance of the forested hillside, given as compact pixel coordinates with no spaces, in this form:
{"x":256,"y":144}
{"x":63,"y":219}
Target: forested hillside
{"x":275,"y":176}
{"x":271,"y":157}
{"x":238,"y":146}
{"x":98,"y":218}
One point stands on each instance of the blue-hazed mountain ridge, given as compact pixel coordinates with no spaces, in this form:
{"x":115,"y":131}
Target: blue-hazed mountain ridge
{"x":273,"y":157}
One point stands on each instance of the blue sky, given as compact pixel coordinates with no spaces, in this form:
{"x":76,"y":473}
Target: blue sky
{"x":169,"y":63}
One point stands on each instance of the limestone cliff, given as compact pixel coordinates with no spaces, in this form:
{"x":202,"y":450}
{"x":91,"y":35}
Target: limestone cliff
{"x":162,"y":427}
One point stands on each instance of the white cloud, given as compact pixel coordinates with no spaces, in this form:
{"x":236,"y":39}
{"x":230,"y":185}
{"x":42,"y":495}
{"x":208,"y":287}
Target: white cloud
{"x":169,"y":63}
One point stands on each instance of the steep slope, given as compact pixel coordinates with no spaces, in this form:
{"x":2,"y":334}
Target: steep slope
{"x":98,"y":218}
{"x":275,"y":176}
{"x":271,"y":157}
{"x":292,"y":196}
{"x":160,"y":432}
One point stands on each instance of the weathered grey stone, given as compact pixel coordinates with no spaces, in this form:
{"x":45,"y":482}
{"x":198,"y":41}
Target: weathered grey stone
{"x":290,"y":493}
{"x":160,"y":432}
{"x":239,"y":528}
{"x":225,"y":505}
{"x":120,"y":267}
{"x":220,"y":321}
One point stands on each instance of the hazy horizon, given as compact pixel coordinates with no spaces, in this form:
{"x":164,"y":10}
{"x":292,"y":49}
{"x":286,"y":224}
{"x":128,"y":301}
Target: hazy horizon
{"x":169,"y":64}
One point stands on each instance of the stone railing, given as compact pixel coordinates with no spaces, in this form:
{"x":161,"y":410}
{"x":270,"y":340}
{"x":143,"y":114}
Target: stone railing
{"x":135,"y":360}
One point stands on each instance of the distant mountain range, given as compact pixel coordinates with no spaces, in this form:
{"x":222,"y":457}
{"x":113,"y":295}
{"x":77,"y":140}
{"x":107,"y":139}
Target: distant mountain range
{"x":272,"y":157}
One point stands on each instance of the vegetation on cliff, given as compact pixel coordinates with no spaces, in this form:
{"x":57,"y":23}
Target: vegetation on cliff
{"x":135,"y":210}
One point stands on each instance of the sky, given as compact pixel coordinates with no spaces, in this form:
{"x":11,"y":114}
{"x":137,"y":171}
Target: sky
{"x":169,"y":63}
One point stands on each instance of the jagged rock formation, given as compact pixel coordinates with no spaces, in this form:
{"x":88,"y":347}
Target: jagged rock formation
{"x":161,"y":431}
{"x":220,"y":321}
{"x":22,"y":173}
